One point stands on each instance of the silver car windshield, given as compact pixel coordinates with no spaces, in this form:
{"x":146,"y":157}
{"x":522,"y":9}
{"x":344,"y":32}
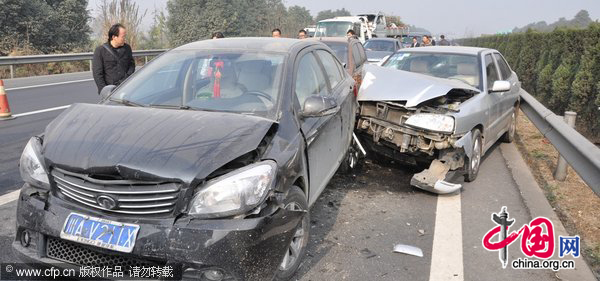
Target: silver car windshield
{"x":236,"y":81}
{"x":450,"y":66}
{"x":333,"y":29}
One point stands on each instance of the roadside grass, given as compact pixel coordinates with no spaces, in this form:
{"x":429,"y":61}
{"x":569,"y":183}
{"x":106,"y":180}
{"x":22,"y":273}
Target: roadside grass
{"x":577,"y":206}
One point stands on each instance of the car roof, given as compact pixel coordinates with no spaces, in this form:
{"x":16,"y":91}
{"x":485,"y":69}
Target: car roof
{"x":266,"y":44}
{"x":383,"y":39}
{"x":447,"y":49}
{"x":333,"y":39}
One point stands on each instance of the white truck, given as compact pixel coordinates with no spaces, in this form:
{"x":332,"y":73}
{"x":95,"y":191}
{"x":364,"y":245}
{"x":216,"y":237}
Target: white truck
{"x":366,"y":27}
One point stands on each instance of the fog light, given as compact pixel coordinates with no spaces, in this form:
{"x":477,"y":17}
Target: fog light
{"x":213,"y":275}
{"x":25,"y":238}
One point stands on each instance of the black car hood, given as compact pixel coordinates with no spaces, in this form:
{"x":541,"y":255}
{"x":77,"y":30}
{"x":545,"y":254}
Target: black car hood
{"x":137,"y":143}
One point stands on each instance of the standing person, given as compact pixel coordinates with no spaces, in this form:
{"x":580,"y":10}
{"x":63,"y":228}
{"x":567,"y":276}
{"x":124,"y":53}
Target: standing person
{"x":415,"y":42}
{"x":302,"y":34}
{"x":350,"y":33}
{"x":444,"y":42}
{"x":217,"y":35}
{"x":113,"y":61}
{"x":426,"y":41}
{"x":276,"y":33}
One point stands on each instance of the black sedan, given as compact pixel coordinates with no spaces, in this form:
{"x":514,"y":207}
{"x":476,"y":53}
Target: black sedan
{"x":207,"y":159}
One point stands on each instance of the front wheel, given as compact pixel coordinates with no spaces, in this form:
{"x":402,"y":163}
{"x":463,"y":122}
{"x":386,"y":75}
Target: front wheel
{"x":295,"y":201}
{"x":472,"y":164}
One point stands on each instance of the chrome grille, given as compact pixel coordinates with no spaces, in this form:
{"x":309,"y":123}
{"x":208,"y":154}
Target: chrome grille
{"x":129,"y":197}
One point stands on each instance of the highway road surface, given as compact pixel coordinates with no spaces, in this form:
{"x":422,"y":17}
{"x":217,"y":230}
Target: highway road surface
{"x":357,"y":221}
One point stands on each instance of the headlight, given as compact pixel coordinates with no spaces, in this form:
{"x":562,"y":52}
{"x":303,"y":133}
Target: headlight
{"x":31,"y":167}
{"x":433,"y":122}
{"x":236,"y":192}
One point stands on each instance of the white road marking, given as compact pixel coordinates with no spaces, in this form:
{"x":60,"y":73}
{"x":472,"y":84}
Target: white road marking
{"x":51,"y":84}
{"x":447,"y":252}
{"x":41,"y":111}
{"x":9,"y":197}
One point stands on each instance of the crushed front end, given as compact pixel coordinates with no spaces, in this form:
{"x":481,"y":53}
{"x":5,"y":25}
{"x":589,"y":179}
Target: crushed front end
{"x":391,"y":129}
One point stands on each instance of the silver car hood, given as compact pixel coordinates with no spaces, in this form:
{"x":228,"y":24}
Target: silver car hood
{"x":388,"y":84}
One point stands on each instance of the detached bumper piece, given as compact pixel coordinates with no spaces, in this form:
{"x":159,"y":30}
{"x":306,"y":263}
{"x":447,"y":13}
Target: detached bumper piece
{"x":432,"y":179}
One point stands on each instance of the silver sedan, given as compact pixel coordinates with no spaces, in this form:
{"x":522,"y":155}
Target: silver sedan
{"x":440,"y":106}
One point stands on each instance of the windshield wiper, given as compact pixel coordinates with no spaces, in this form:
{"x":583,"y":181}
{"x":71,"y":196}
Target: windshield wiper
{"x":127,"y":102}
{"x":168,"y":106}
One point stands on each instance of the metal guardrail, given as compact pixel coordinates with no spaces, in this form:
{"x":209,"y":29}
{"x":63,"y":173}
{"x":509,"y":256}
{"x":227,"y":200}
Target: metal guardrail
{"x":579,"y":152}
{"x":11,"y":61}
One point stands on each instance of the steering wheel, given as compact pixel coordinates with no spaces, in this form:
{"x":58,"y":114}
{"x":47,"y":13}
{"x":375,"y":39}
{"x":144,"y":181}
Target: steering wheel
{"x":260,"y":94}
{"x":269,"y":100}
{"x":456,"y":78}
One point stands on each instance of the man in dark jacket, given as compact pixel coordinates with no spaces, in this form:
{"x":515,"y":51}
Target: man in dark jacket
{"x":444,"y":42}
{"x":113,"y":61}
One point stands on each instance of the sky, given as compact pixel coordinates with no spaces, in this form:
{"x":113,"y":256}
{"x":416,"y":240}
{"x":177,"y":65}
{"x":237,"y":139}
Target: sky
{"x":456,"y":18}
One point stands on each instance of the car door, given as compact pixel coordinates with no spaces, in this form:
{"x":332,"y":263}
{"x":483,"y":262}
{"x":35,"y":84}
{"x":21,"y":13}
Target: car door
{"x":322,"y":134}
{"x":509,"y":98}
{"x":495,"y":121}
{"x":342,"y":89}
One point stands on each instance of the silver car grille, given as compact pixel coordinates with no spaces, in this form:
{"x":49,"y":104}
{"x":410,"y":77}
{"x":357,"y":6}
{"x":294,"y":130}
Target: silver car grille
{"x":117,"y":196}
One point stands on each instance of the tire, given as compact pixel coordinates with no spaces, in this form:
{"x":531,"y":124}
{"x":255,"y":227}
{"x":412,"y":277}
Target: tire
{"x":509,"y":135}
{"x":295,"y":199}
{"x":351,"y":162}
{"x":472,"y":164}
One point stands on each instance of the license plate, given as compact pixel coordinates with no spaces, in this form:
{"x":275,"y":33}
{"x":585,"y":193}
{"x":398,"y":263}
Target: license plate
{"x":100,"y":232}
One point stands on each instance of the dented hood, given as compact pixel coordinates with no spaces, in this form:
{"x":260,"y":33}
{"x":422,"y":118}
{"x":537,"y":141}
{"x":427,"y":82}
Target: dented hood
{"x":135,"y":142}
{"x":388,"y":84}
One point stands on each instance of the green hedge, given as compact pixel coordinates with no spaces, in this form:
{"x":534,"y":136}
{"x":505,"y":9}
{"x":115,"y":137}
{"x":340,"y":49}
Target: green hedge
{"x":560,"y":68}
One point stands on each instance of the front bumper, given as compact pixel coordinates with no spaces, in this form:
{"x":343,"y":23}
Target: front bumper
{"x":245,"y":249}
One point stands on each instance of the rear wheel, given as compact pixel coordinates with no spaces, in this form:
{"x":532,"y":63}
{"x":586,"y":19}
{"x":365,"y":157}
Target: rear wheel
{"x":472,"y":163}
{"x":295,"y":201}
{"x":509,"y":136}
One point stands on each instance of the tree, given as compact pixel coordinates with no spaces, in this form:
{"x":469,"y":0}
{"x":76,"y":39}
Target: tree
{"x":157,"y":36}
{"x":125,"y":12}
{"x":46,"y":26}
{"x":297,"y":18}
{"x":586,"y":87}
{"x":328,"y":14}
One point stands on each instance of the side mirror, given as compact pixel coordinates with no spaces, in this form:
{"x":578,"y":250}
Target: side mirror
{"x":106,"y":91}
{"x":318,"y":106}
{"x":500,"y":86}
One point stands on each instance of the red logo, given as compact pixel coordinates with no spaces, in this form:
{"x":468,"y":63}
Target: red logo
{"x":537,"y":237}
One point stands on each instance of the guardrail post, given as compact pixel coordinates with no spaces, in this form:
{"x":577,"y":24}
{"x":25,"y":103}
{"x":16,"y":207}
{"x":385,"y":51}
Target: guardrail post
{"x":560,"y":174}
{"x":90,"y":65}
{"x":12,"y":71}
{"x":145,"y":60}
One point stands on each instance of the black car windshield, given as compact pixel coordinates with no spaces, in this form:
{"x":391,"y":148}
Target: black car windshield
{"x":229,"y":81}
{"x":379,"y":45}
{"x":442,"y":65}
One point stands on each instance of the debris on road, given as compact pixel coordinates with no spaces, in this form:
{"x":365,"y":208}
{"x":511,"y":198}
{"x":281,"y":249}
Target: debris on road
{"x":421,"y":232}
{"x":367,"y":254}
{"x":409,"y":250}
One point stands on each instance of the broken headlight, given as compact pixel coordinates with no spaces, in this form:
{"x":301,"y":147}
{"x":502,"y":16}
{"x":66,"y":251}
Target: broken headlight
{"x":432,"y":122}
{"x":236,"y":192}
{"x":31,"y":167}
